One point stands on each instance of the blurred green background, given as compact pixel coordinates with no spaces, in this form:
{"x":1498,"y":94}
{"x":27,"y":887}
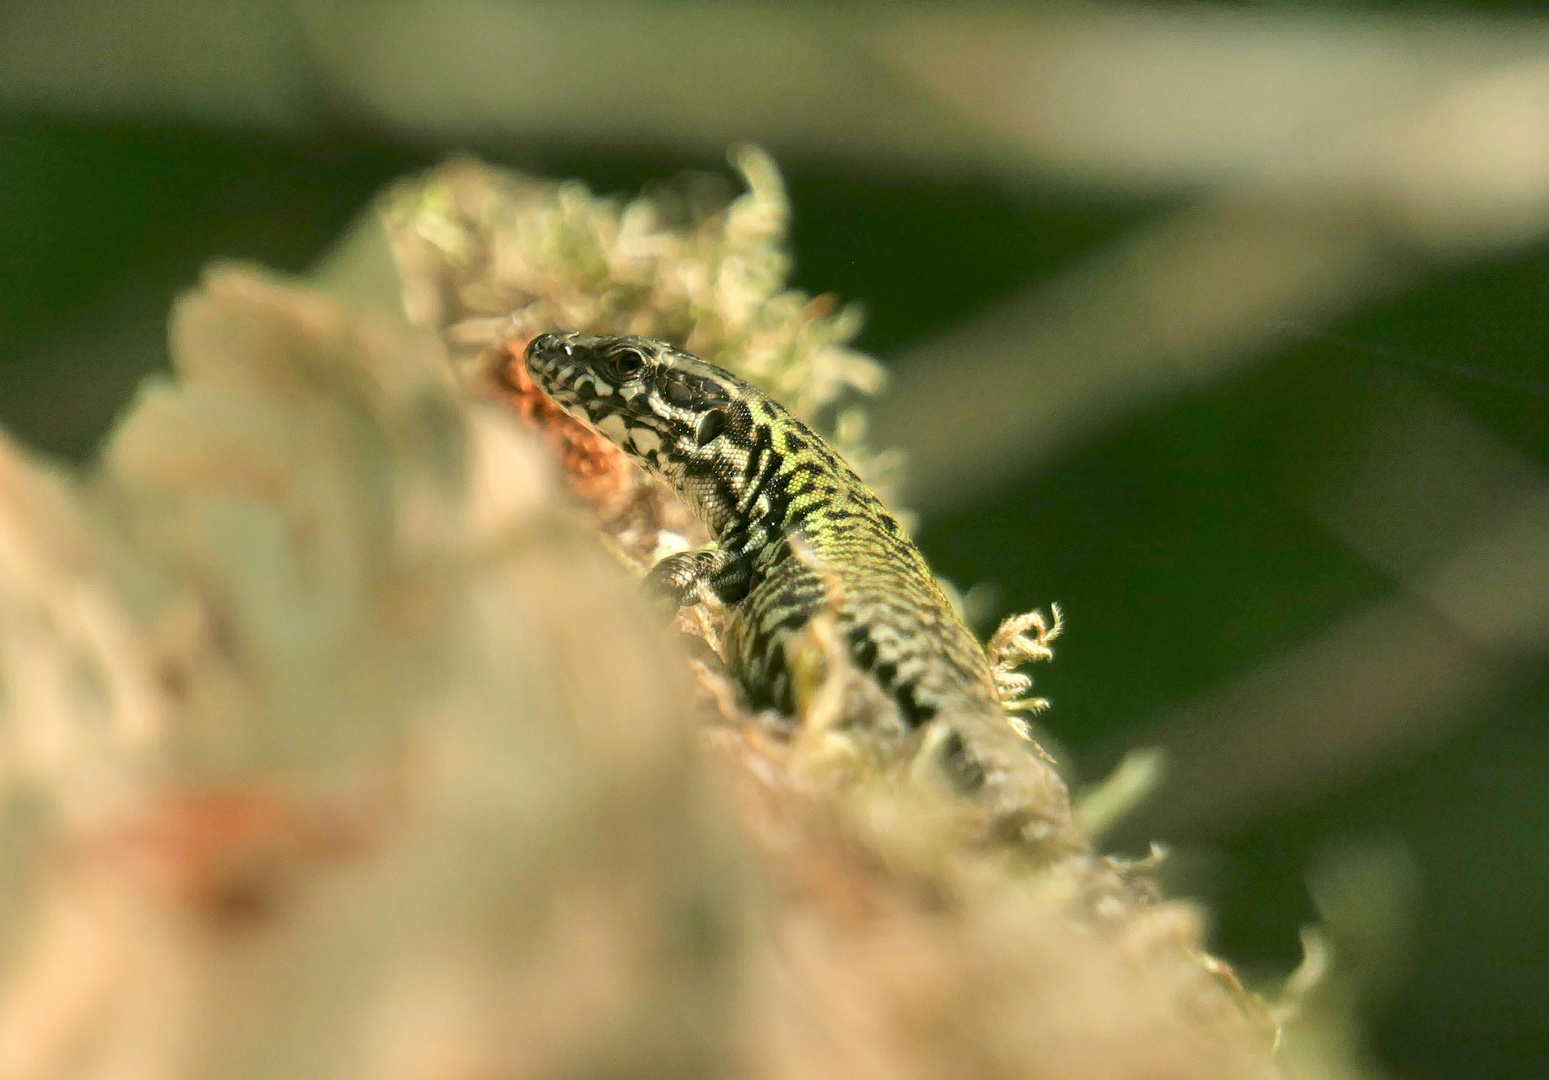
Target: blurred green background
{"x":1252,"y":302}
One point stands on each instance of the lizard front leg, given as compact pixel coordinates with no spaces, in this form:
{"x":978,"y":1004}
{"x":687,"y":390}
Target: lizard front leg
{"x":679,"y":580}
{"x":690,"y":577}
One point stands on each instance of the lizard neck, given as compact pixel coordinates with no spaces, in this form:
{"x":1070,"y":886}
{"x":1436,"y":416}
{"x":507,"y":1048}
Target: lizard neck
{"x":758,"y":481}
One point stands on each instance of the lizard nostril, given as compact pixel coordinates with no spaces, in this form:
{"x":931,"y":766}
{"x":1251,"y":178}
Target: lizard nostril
{"x":540,"y":347}
{"x":549,"y":347}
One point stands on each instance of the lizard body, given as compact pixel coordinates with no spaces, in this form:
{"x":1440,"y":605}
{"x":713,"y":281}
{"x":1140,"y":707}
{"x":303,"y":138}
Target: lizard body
{"x":797,"y":533}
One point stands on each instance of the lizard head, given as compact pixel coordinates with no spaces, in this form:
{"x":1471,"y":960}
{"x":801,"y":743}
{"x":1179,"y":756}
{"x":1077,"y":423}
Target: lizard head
{"x":660,"y":405}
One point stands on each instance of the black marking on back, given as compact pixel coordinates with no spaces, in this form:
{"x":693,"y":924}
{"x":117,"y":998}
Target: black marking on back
{"x":961,"y":765}
{"x":863,"y":653}
{"x":763,"y":442}
{"x":916,"y":713}
{"x":862,"y":649}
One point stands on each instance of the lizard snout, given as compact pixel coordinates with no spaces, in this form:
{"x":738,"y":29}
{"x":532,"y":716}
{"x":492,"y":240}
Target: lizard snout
{"x":545,"y":349}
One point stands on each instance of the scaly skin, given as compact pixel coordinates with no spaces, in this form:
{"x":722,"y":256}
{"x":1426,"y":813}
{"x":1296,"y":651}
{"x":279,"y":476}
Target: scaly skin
{"x":798,"y":533}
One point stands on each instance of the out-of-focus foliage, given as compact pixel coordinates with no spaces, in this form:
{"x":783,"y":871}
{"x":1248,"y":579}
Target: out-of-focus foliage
{"x":299,"y":779}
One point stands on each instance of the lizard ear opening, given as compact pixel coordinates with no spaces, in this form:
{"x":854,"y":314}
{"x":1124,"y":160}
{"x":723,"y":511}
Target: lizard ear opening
{"x":711,"y":424}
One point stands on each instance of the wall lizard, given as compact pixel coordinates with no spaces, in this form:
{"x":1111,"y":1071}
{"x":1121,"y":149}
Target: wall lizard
{"x":797,"y":533}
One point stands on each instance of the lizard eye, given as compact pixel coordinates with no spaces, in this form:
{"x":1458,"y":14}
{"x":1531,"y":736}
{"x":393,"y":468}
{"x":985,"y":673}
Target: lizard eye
{"x":628,"y":363}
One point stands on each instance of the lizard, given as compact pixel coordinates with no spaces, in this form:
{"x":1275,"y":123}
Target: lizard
{"x":797,"y":532}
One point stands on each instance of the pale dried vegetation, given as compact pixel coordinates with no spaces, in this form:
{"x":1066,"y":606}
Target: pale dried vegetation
{"x":336,"y":745}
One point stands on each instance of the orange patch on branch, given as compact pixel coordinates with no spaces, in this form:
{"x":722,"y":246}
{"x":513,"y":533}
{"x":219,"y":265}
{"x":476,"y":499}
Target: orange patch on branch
{"x":597,"y":469}
{"x":234,"y":855}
